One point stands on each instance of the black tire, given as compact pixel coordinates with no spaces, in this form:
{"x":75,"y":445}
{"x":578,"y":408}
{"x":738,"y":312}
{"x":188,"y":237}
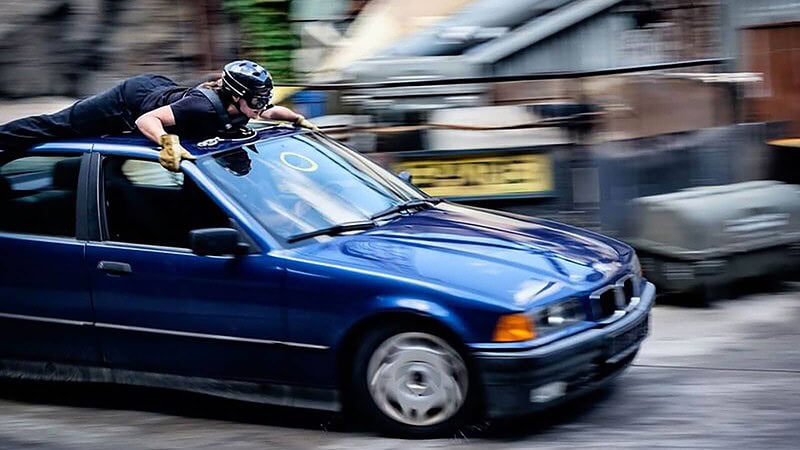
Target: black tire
{"x":367,"y":408}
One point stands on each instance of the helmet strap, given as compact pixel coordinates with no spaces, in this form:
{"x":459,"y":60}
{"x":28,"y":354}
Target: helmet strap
{"x":237,"y":106}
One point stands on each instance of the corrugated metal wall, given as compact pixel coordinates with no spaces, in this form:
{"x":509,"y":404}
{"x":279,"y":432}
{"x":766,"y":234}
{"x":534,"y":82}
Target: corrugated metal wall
{"x":686,"y":30}
{"x":593,"y":44}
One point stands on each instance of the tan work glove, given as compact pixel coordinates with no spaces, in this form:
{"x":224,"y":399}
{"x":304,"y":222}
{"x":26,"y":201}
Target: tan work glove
{"x":305,"y":123}
{"x":172,"y":152}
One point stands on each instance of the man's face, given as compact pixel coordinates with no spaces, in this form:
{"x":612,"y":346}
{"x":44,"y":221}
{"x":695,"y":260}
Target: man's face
{"x":247,"y":110}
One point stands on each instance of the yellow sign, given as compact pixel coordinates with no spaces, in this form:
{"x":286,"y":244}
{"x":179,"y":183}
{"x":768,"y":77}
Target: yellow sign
{"x":481,"y":176}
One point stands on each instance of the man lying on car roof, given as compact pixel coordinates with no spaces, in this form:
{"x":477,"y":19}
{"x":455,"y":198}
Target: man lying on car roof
{"x":161,"y":110}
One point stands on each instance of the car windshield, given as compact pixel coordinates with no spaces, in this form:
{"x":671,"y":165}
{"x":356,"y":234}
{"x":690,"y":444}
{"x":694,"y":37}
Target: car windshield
{"x":299,"y":185}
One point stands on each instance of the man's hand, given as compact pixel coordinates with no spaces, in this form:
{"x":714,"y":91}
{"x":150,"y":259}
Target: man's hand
{"x":172,"y":152}
{"x":305,"y":123}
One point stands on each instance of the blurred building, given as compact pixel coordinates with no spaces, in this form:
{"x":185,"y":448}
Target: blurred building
{"x":77,"y":47}
{"x":487,"y":38}
{"x":497,"y":38}
{"x":319,"y":24}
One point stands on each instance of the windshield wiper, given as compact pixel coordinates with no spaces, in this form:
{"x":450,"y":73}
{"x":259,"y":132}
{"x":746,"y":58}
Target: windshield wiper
{"x":365,"y":224}
{"x":333,"y":230}
{"x":407,"y":205}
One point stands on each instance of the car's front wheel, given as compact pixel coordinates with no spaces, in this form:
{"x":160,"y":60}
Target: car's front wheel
{"x":411,"y":383}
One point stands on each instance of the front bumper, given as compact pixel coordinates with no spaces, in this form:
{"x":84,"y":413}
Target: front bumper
{"x":526,"y":381}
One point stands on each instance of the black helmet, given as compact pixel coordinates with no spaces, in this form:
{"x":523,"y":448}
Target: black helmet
{"x":248,"y":80}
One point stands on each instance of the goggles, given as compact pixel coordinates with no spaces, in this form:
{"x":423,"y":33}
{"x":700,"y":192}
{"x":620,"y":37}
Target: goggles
{"x":259,"y":101}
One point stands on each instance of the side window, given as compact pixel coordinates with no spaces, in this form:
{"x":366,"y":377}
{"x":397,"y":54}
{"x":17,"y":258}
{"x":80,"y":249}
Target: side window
{"x":147,"y":204}
{"x":38,"y":195}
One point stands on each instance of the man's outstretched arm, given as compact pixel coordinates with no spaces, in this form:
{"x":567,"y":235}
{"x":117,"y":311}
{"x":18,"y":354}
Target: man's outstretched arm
{"x":286,"y":114}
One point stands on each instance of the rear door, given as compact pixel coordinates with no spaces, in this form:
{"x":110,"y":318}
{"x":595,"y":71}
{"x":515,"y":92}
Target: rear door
{"x":45,"y":306}
{"x":160,"y":307}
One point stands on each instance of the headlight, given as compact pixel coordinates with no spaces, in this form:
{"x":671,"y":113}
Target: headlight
{"x":539,"y":322}
{"x":555,"y":317}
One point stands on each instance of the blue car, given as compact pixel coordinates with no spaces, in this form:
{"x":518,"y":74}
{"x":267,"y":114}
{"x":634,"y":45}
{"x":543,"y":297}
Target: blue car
{"x":288,"y":269}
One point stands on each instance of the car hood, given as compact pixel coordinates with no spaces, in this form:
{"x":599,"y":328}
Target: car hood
{"x":510,"y":260}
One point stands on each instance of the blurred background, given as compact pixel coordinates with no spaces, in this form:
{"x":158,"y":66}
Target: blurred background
{"x":665,"y":123}
{"x":580,"y":110}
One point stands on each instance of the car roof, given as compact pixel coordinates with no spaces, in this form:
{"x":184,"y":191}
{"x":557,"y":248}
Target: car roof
{"x":263,"y":131}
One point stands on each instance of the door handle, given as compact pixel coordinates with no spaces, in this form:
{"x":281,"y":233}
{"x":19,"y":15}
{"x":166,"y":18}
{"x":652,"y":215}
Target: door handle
{"x":113,"y":267}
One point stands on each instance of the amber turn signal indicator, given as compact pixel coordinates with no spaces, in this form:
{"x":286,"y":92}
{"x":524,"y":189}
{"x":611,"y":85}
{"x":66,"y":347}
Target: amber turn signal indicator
{"x":514,"y":328}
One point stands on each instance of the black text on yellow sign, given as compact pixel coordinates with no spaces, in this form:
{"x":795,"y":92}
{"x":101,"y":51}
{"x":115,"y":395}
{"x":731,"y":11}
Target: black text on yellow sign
{"x":481,"y":176}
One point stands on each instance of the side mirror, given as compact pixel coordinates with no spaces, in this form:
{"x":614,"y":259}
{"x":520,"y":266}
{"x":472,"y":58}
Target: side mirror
{"x":405,"y":176}
{"x":217,"y":242}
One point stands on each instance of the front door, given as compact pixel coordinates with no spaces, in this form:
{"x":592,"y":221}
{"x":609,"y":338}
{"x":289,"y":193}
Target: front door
{"x":161,"y":308}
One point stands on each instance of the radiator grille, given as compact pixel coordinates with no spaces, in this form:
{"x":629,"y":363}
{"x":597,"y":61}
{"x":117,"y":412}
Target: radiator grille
{"x":613,"y":301}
